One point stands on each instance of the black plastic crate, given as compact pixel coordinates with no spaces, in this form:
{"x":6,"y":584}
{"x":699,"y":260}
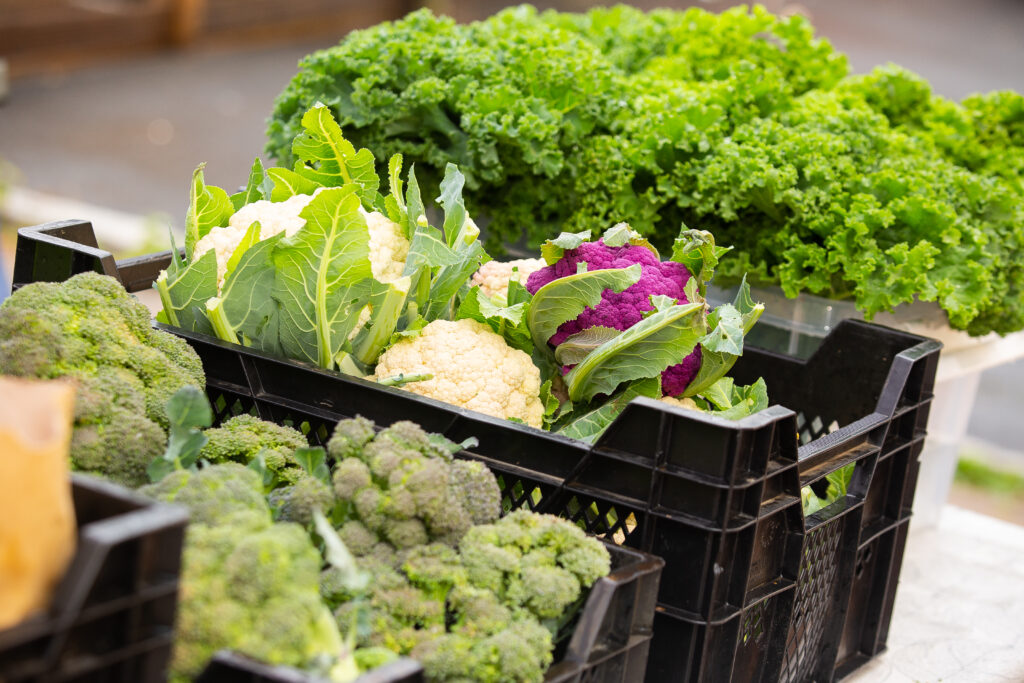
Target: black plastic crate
{"x":112,"y":616}
{"x":718,"y":499}
{"x":230,"y":667}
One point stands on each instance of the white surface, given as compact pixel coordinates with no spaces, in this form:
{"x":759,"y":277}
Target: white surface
{"x":115,"y":230}
{"x":959,"y":613}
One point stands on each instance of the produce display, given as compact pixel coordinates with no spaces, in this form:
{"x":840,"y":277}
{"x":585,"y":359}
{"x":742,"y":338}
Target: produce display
{"x":417,"y":561}
{"x":869,"y":188}
{"x":315,"y":264}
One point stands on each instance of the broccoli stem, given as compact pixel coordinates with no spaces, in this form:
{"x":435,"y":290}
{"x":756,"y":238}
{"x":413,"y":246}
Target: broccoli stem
{"x":219,"y":319}
{"x":165,"y":299}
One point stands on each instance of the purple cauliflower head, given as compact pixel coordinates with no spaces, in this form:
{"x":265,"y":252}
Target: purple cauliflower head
{"x":622,"y":310}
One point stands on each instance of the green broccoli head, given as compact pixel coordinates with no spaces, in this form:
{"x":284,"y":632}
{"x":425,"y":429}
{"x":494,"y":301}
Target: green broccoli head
{"x":243,"y":437}
{"x":112,"y":438}
{"x":349,"y":437}
{"x":253,"y":587}
{"x":518,"y":650}
{"x":540,"y":563}
{"x":213,"y":493}
{"x":296,"y":502}
{"x":404,"y":487}
{"x":90,"y":328}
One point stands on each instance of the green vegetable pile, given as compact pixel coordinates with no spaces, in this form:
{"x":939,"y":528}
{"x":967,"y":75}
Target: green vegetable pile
{"x":292,"y":265}
{"x":869,"y":188}
{"x":420,"y":564}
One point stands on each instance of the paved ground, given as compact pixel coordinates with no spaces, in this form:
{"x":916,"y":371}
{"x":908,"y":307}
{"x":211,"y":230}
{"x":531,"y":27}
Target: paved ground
{"x":127,"y":136}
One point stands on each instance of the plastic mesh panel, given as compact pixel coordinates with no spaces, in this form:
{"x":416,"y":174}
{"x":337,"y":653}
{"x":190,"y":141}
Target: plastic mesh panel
{"x":517,"y":492}
{"x":753,"y":624}
{"x":813,"y":427}
{"x":814,"y":590}
{"x":617,"y":524}
{"x":227,"y":404}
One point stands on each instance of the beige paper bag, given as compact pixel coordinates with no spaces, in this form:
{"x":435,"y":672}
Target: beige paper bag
{"x":37,"y":517}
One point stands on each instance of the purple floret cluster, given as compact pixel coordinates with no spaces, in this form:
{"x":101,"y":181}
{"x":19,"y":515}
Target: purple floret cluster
{"x":624,"y":309}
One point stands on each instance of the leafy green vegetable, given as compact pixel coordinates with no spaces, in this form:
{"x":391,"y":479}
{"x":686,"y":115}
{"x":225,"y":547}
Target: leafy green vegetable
{"x":838,"y":482}
{"x":868,"y":188}
{"x":588,"y":425}
{"x":330,"y":160}
{"x":184,"y":288}
{"x":323,"y":277}
{"x":189,"y":413}
{"x":643,"y":350}
{"x":208,"y":207}
{"x":565,"y":298}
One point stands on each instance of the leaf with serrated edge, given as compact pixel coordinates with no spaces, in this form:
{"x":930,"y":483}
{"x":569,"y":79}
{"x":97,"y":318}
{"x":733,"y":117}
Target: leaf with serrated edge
{"x":590,"y":425}
{"x":329,"y":159}
{"x":259,"y":187}
{"x":564,"y":299}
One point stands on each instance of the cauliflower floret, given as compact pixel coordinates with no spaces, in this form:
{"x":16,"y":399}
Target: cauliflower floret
{"x":494,"y":276}
{"x":388,"y":246}
{"x":687,"y":402}
{"x":471,"y":366}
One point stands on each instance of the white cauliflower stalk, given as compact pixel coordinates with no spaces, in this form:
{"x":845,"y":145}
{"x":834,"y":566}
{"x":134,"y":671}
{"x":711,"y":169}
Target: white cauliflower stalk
{"x":472,"y":367}
{"x":388,"y":246}
{"x":494,"y":276}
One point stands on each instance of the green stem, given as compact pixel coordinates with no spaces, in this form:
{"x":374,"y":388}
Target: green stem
{"x":382,"y":323}
{"x":219,"y":319}
{"x":165,"y":299}
{"x":400,"y":379}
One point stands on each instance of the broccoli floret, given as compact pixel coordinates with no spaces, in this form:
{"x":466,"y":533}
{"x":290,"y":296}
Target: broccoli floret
{"x":212,"y":493}
{"x":296,"y":502}
{"x":111,"y":437}
{"x":404,"y":487}
{"x":349,"y":437}
{"x":252,"y":587}
{"x":435,"y":569}
{"x":369,"y":658}
{"x":243,"y":437}
{"x":517,"y":650}
{"x":91,"y":329}
{"x":540,"y":563}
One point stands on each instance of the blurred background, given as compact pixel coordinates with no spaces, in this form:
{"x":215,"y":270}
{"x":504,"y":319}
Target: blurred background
{"x":106,"y":106}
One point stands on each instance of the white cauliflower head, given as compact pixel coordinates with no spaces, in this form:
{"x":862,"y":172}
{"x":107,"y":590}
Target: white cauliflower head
{"x":472,"y":367}
{"x":388,"y":246}
{"x":494,"y":276}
